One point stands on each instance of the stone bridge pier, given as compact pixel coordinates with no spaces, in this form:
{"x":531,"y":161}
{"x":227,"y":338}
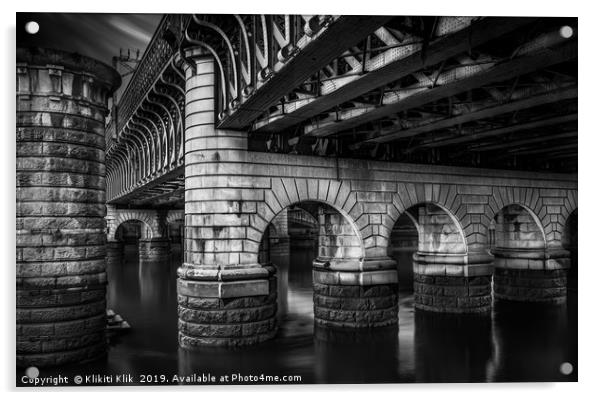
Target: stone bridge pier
{"x":529,"y":266}
{"x":447,"y":277}
{"x":350,"y":289}
{"x":225,"y":296}
{"x":153,"y":245}
{"x":61,"y":278}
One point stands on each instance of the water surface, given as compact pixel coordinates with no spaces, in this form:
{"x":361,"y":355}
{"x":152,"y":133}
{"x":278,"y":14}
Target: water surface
{"x":514,"y":343}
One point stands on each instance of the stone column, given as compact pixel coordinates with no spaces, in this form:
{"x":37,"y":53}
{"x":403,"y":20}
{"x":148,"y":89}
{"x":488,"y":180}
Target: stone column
{"x":61,"y":278}
{"x":225,"y":297}
{"x":154,"y":249}
{"x":525,"y":270}
{"x":446,"y":277}
{"x":531,"y":276}
{"x":350,"y":291}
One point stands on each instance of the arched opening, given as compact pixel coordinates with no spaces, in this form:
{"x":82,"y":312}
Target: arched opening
{"x":291,"y":243}
{"x":319,"y":256}
{"x":516,"y":227}
{"x":128,"y":235}
{"x":403,"y":243}
{"x":140,"y":291}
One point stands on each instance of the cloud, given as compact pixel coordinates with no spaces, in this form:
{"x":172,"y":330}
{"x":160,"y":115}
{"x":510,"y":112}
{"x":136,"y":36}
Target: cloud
{"x":95,"y":35}
{"x":124,"y":25}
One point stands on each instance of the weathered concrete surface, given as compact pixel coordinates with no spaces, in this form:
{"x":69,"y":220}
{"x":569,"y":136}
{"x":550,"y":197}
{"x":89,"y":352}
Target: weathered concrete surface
{"x":61,"y":107}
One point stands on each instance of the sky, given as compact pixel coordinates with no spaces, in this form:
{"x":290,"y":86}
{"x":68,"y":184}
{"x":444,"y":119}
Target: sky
{"x":99,"y":36}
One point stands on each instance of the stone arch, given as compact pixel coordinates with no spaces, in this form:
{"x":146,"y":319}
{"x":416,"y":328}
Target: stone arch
{"x":447,"y":276}
{"x":145,"y":217}
{"x":438,"y":214}
{"x":287,"y":192}
{"x":445,"y":197}
{"x":144,"y":233}
{"x":349,"y":290}
{"x":529,"y":199}
{"x":356,"y":246}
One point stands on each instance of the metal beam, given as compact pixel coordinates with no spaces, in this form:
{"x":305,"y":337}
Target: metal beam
{"x":416,"y":97}
{"x":539,"y":150}
{"x":343,"y":33}
{"x":496,"y":132}
{"x":482,"y":113}
{"x":388,"y":67}
{"x":512,"y":143}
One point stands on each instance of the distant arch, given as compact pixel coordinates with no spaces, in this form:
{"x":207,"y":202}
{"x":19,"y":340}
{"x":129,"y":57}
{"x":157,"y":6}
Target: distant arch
{"x":289,"y":192}
{"x":518,"y":215}
{"x":147,"y":218}
{"x":413,"y":215}
{"x":145,"y":233}
{"x":329,"y":208}
{"x":435,"y":216}
{"x":527,"y":198}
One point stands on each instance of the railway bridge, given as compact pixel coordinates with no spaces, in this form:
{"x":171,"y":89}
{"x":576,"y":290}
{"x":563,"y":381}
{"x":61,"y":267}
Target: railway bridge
{"x":232,"y":126}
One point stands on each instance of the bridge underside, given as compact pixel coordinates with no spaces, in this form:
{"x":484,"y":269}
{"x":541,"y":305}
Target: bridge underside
{"x":464,"y":126}
{"x":484,"y":92}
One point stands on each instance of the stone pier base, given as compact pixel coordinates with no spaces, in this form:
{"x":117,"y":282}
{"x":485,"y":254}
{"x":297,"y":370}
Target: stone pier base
{"x":531,"y":276}
{"x":115,"y":251}
{"x":226,"y":307}
{"x":60,"y":325}
{"x":156,"y":249}
{"x":452,"y":283}
{"x":356,"y":298}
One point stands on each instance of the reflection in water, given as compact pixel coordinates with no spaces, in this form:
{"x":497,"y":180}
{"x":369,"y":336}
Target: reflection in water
{"x":532,"y":341}
{"x":452,"y":348}
{"x":514,"y":344}
{"x":144,"y":295}
{"x":361,"y":356}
